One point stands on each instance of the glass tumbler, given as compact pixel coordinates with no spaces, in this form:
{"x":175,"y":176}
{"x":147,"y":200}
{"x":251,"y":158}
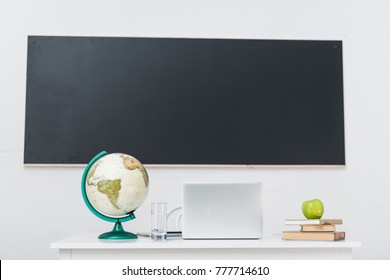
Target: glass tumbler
{"x":159,"y":221}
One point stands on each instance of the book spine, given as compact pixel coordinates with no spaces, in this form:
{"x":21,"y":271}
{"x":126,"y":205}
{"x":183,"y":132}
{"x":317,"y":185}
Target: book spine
{"x":313,"y":236}
{"x":318,"y":228}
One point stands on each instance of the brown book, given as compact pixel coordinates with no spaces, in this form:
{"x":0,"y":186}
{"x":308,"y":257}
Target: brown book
{"x":321,"y":228}
{"x":318,"y":236}
{"x":293,"y":222}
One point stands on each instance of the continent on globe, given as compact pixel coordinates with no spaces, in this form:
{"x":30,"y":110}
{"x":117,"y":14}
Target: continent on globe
{"x":131,"y":164}
{"x":91,"y":172}
{"x":110,"y":188}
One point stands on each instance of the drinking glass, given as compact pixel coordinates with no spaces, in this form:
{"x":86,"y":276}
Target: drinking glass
{"x":159,"y":221}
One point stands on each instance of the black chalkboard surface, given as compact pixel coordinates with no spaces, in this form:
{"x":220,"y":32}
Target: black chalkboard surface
{"x":184,"y":101}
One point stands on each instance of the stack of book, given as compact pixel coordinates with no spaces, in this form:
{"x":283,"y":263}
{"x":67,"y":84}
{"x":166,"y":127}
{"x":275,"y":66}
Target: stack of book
{"x":315,"y":229}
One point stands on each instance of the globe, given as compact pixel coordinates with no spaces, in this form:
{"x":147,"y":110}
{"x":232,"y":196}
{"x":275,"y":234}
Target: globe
{"x":113,"y":187}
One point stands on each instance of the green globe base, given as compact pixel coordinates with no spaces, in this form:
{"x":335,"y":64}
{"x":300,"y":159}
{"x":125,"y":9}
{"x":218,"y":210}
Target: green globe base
{"x":118,"y":233}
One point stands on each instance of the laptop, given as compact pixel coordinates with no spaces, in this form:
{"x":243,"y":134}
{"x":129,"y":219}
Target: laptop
{"x":222,"y":211}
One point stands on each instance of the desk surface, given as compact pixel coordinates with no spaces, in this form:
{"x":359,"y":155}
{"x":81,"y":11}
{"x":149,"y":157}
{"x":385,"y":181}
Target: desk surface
{"x":90,"y":241}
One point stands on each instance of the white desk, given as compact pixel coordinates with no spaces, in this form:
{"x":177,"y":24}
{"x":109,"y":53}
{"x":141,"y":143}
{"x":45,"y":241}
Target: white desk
{"x":88,"y":246}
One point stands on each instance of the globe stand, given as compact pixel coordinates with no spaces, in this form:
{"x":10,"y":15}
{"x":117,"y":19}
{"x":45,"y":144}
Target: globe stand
{"x":118,"y":232}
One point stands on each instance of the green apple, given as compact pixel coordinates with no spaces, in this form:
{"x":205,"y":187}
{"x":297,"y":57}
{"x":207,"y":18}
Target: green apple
{"x":313,"y":209}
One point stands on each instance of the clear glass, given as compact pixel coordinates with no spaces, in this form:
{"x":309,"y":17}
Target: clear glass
{"x":159,"y":221}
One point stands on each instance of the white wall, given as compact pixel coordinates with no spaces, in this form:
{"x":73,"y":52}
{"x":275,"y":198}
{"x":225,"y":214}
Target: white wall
{"x":41,"y":205}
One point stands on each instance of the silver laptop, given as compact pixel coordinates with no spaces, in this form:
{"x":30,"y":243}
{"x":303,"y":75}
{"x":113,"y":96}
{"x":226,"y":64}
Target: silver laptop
{"x":222,"y":211}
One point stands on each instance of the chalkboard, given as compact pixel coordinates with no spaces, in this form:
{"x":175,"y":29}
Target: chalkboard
{"x":171,"y":101}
